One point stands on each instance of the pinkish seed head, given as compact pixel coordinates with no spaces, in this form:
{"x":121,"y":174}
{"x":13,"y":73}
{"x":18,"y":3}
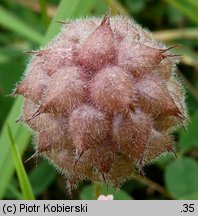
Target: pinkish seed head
{"x":102,"y":98}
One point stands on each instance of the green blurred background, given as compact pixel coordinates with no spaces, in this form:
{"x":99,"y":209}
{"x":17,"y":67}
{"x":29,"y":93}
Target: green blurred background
{"x":27,"y":25}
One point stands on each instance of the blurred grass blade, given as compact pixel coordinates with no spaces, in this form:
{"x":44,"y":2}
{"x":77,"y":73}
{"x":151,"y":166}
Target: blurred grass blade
{"x":21,"y":134}
{"x":187,"y":9}
{"x":17,"y":195}
{"x":45,"y":16}
{"x":69,"y":9}
{"x":116,"y":7}
{"x":194,"y":3}
{"x":22,"y":176}
{"x":14,"y":24}
{"x":175,"y":34}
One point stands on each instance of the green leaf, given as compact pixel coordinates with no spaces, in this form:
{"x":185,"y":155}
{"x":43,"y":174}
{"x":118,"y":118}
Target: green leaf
{"x":22,"y":176}
{"x":92,"y":192}
{"x":41,"y":177}
{"x":193,"y":196}
{"x":181,"y":178}
{"x":189,"y":138}
{"x":14,"y":24}
{"x":164,"y":160}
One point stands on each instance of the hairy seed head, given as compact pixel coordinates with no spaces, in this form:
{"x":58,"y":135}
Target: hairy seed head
{"x":102,"y":98}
